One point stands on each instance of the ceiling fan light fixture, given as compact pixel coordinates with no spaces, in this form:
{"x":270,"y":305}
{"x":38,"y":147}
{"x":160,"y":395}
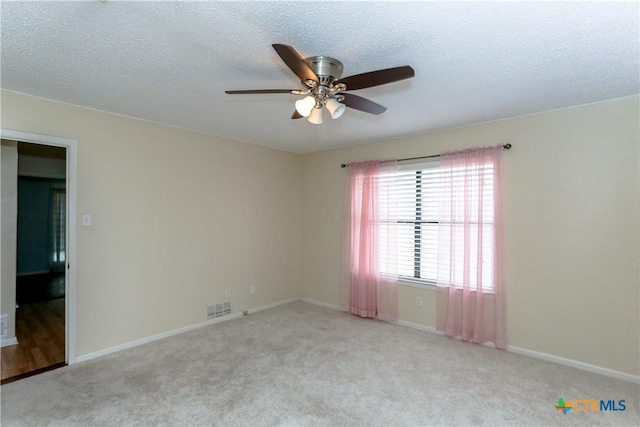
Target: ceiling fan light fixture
{"x":305,"y":105}
{"x":335,"y":108}
{"x":323,"y":85}
{"x":316,"y":116}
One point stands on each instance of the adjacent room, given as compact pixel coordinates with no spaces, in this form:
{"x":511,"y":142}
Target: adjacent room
{"x":320,"y":213}
{"x":39,"y":260}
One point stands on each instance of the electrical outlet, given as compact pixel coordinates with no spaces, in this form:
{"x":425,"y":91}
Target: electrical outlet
{"x":419,"y":301}
{"x":252,"y":290}
{"x":227,"y":293}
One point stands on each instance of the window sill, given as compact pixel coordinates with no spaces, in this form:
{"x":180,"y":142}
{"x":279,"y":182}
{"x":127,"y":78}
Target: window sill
{"x":420,"y":284}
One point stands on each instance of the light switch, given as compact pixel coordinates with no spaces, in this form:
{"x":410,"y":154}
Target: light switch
{"x":86,"y":220}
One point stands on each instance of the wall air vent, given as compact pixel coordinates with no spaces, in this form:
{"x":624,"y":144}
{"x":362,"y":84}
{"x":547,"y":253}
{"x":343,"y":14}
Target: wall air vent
{"x":219,"y":310}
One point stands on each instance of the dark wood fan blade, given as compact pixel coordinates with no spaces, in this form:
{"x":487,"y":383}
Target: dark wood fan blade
{"x":359,"y":103}
{"x":377,"y":78}
{"x":295,"y":62}
{"x":248,"y":92}
{"x":296,"y":115}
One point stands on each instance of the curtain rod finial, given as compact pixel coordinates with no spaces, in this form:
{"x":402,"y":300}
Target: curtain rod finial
{"x":343,"y":165}
{"x":506,"y":146}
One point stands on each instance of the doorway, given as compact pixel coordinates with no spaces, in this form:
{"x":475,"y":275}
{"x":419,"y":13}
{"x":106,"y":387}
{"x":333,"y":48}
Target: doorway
{"x":44,"y":317}
{"x":41,"y":258}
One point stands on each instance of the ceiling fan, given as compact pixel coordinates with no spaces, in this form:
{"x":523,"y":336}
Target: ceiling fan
{"x":323,"y":87}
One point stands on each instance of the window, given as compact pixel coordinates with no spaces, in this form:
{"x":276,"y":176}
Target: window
{"x":57,"y":218}
{"x":419,"y":232}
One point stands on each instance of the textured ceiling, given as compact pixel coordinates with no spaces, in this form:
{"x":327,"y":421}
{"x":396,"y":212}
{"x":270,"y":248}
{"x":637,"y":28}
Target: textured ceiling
{"x":170,"y":62}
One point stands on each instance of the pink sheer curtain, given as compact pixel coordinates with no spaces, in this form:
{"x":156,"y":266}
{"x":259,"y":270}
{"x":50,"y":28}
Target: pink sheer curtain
{"x":369,"y":243}
{"x":470,"y":286}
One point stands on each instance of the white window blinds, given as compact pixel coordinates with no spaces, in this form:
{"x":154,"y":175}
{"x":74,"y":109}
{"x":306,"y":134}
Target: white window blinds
{"x":419,"y":231}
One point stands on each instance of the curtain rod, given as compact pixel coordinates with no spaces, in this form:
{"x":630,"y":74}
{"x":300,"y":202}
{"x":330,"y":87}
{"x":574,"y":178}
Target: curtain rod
{"x":506,"y":146}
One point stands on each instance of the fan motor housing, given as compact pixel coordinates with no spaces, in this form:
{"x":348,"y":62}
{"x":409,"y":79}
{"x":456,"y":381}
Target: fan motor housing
{"x":328,"y":69}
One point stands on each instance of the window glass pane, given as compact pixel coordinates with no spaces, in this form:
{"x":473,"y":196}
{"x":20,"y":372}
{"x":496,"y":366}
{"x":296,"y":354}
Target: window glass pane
{"x":418,"y":196}
{"x":429,"y":252}
{"x":405,"y":249}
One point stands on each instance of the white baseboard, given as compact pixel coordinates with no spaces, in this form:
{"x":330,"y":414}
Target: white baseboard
{"x":576,"y":364}
{"x":9,"y":341}
{"x":399,"y":322}
{"x":418,"y":326}
{"x":321,"y":304}
{"x":173,"y":332}
{"x":272,"y":305}
{"x":517,"y":350}
{"x":156,"y":337}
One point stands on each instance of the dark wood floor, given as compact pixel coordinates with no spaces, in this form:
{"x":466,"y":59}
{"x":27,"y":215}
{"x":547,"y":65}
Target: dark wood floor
{"x":40,"y":331}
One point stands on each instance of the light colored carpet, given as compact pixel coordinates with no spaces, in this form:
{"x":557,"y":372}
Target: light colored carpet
{"x":300,"y":364}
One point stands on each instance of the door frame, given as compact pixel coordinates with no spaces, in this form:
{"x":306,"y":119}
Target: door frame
{"x":71,"y":185}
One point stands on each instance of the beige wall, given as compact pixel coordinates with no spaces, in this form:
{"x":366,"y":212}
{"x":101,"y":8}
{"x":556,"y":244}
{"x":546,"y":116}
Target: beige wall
{"x":9,"y":164}
{"x":178,"y":217}
{"x":571,"y":225}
